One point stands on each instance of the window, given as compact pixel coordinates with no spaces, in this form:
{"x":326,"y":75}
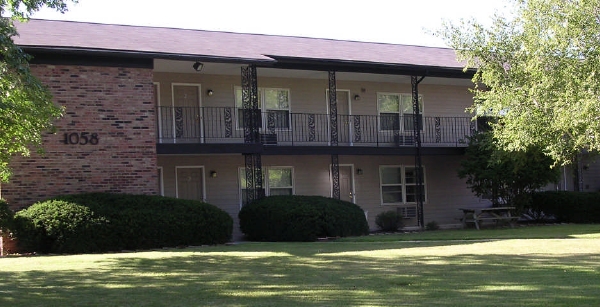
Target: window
{"x":274,"y":105}
{"x":396,"y":112}
{"x":399,"y":184}
{"x":279,"y":181}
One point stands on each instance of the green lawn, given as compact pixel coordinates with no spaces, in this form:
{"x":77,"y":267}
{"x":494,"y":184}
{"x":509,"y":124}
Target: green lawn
{"x":525,"y":266}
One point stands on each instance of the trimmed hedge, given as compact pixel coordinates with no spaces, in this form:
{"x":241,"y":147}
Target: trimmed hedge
{"x":301,"y":218}
{"x":389,"y":220}
{"x":569,"y":207}
{"x":99,"y":222}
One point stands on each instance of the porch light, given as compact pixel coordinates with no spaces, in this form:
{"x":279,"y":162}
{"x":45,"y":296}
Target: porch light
{"x":213,"y":174}
{"x":357,"y":97}
{"x":209,"y":93}
{"x":359,"y":171}
{"x":198,"y":66}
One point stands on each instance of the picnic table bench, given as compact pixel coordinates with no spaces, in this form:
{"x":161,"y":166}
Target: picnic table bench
{"x":494,"y":214}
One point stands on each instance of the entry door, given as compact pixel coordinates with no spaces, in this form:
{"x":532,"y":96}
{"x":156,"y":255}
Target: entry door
{"x":346,"y":183}
{"x":190,"y":183}
{"x":186,"y":112}
{"x":344,"y":119}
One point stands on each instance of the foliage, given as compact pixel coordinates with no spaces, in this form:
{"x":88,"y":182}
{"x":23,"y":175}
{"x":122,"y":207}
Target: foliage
{"x":433,"y":225}
{"x":570,"y":207}
{"x":301,"y":218}
{"x":26,"y":107}
{"x":507,"y":178}
{"x":537,"y":72}
{"x":389,"y":220}
{"x":6,"y":216}
{"x":98,"y":222}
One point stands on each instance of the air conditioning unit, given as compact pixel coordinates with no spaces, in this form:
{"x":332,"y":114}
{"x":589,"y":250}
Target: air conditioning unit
{"x":268,"y":138}
{"x":408,"y":212}
{"x":404,"y":140}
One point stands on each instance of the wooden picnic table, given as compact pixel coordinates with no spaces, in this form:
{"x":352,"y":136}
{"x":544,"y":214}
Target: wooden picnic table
{"x":494,"y":214}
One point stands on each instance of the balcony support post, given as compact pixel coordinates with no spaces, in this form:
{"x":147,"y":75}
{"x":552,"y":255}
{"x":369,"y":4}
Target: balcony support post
{"x":333,"y":129}
{"x":252,"y":124}
{"x":417,"y":134}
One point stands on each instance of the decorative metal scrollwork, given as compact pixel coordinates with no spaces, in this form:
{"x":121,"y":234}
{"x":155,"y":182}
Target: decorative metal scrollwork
{"x":438,"y":130}
{"x":333,"y":116}
{"x":178,"y":122}
{"x":311,"y":128}
{"x":357,"y":129}
{"x":335,"y":176}
{"x":254,"y":182}
{"x":228,"y":122}
{"x":251,"y":112}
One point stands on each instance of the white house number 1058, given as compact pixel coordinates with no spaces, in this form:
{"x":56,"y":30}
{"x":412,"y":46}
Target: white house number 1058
{"x":81,"y":138}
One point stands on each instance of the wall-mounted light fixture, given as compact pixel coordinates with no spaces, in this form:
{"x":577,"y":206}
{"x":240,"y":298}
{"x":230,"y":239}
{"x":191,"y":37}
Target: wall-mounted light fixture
{"x":198,"y":66}
{"x":209,"y":92}
{"x":213,"y":174}
{"x":357,"y":97}
{"x":359,"y":171}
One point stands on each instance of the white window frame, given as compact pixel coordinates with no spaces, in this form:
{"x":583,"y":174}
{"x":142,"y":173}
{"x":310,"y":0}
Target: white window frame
{"x":400,"y":112}
{"x":266,"y":184}
{"x":262,"y":106}
{"x":161,"y":177}
{"x":403,"y":184}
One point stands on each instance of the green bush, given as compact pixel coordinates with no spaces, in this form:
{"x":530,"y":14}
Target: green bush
{"x":565,"y":206}
{"x":389,"y":220}
{"x":301,"y":218}
{"x":433,"y":225}
{"x":98,"y":222}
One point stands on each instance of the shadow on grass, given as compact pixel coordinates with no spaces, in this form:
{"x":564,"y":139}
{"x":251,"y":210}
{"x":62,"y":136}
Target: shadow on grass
{"x":307,"y":274}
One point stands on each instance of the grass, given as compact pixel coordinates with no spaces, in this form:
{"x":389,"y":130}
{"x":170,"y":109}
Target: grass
{"x":529,"y":266}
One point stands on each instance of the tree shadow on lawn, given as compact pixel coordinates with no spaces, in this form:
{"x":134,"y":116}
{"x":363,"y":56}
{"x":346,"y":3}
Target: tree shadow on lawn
{"x":324,"y":274}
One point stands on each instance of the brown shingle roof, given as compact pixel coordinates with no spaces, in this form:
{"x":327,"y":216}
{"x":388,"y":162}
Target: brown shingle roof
{"x":169,"y":42}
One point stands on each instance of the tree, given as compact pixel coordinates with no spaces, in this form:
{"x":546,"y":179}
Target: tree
{"x":538,"y":72}
{"x":507,"y":178}
{"x":26,"y":107}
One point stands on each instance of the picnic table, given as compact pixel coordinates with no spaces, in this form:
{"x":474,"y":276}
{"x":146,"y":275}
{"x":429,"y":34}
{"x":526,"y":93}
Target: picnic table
{"x":494,"y":214}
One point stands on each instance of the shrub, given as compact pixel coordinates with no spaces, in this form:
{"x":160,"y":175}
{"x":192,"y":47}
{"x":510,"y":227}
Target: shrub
{"x":565,"y":206}
{"x":301,"y":218}
{"x":389,"y":220}
{"x":98,"y":222}
{"x":433,"y":225}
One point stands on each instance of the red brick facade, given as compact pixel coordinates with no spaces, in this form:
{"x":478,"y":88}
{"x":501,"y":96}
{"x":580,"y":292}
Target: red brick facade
{"x":110,"y":107}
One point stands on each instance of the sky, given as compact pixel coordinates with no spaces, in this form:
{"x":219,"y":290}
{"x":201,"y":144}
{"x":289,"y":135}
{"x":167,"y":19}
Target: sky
{"x":385,"y":21}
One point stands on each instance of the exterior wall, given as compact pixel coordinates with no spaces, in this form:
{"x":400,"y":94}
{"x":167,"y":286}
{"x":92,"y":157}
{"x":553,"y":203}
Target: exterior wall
{"x":114,"y":103}
{"x":309,"y":95}
{"x":445,"y":192}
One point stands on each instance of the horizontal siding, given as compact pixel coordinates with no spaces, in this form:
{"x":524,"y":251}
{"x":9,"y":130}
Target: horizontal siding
{"x":444,"y":190}
{"x":309,"y":95}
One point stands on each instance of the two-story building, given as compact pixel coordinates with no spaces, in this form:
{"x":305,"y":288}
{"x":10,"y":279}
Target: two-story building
{"x":228,"y":117}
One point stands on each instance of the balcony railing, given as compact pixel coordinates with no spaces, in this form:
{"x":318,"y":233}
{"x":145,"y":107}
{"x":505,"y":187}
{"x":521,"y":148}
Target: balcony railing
{"x":225,"y":125}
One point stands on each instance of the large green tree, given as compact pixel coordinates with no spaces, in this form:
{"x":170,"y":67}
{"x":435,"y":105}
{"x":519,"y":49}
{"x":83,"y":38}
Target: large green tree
{"x":538,"y":71}
{"x":26,"y":107}
{"x":505,"y":177}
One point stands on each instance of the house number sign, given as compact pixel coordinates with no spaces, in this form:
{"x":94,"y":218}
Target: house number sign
{"x":81,"y":138}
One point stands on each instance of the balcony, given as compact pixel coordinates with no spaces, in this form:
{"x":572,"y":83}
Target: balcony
{"x":224,"y":125}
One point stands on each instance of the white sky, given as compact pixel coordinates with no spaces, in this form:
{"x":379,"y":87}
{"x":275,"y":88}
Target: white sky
{"x":386,"y":21}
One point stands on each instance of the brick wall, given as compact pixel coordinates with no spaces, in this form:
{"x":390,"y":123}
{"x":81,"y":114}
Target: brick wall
{"x":115,"y":104}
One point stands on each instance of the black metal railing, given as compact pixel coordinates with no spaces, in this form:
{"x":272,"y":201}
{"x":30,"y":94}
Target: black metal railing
{"x":225,"y":125}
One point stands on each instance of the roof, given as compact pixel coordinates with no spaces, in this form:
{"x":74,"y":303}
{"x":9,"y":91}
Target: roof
{"x":160,"y":42}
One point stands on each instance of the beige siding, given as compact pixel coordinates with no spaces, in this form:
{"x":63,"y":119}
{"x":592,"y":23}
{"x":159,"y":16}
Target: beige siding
{"x":444,"y":191}
{"x":309,"y":95}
